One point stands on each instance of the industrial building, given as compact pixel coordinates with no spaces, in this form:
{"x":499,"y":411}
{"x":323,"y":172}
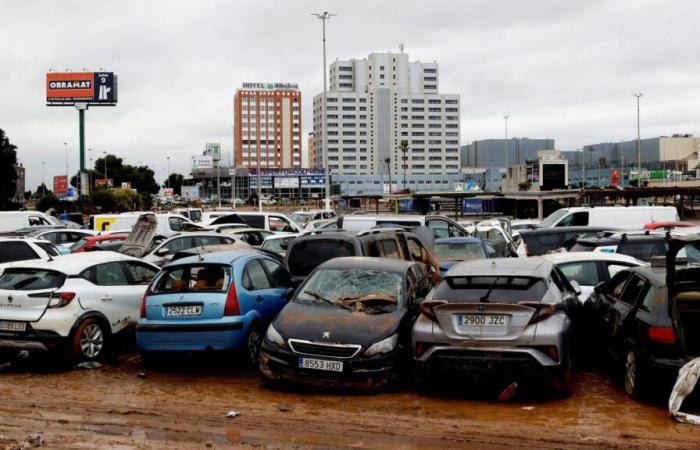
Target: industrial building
{"x":492,"y":152}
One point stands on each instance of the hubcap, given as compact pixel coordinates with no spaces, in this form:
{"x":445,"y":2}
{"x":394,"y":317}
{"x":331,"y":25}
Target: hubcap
{"x":630,"y":373}
{"x":91,"y":340}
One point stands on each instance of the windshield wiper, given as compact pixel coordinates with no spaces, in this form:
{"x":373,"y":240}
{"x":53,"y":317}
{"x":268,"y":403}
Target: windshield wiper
{"x":485,"y":298}
{"x":318,"y":296}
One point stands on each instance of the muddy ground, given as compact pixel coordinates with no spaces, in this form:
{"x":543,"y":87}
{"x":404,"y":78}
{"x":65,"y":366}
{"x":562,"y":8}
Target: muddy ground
{"x":185,"y":407}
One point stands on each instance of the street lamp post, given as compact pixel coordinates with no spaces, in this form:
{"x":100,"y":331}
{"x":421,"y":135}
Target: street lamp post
{"x":105,"y":157}
{"x":65,"y":146}
{"x":43,"y":180}
{"x":323,"y":17}
{"x":505,"y":146}
{"x":167,"y":180}
{"x":639,"y":146}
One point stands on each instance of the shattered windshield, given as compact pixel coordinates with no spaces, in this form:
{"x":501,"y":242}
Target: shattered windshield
{"x":459,"y":251}
{"x":368,"y":291}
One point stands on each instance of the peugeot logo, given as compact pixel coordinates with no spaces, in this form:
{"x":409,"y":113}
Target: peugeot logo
{"x":326,"y":335}
{"x":9,"y":299}
{"x":480,"y":308}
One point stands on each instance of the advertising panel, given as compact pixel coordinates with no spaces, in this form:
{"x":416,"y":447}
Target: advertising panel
{"x":60,"y":185}
{"x":213,"y":150}
{"x":104,"y":182}
{"x":92,"y":88}
{"x":615,"y":177}
{"x":202,"y":162}
{"x":190,"y":192}
{"x":286,"y":182}
{"x":168,"y":192}
{"x":472,"y":206}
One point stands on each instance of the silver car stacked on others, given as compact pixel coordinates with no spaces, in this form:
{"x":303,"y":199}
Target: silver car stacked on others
{"x":505,"y":318}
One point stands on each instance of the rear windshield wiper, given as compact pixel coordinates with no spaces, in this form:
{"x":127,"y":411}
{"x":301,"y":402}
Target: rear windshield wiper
{"x":318,"y":296}
{"x":485,"y":298}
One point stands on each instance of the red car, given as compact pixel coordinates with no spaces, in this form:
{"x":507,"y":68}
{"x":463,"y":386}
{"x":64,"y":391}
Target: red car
{"x":112,"y":242}
{"x":663,"y":225}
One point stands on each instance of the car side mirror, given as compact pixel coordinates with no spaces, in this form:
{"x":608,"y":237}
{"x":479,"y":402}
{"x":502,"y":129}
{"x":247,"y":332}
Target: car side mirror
{"x":599,"y":287}
{"x":162,"y":251}
{"x":288,"y":294}
{"x":576,"y":286}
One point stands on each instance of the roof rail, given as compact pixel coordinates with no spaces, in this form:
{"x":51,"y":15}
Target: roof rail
{"x":381,"y":230}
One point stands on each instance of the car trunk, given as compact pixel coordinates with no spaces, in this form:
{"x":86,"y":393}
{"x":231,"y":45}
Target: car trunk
{"x":485,"y":321}
{"x":186,"y":306}
{"x":141,"y":235}
{"x":25,"y":293}
{"x":683,"y":282}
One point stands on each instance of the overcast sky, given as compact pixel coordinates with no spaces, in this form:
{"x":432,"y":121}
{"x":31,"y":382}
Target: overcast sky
{"x":561,"y":69}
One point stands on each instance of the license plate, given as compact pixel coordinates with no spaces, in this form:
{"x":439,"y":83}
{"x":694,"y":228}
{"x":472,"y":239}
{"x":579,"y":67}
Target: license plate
{"x":495,"y":321}
{"x":12,"y":326}
{"x":321,"y":364}
{"x":183,"y":311}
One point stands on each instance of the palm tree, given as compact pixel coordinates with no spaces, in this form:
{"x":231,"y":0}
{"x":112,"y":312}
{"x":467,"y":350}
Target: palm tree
{"x":404,"y":148}
{"x":387,"y":161}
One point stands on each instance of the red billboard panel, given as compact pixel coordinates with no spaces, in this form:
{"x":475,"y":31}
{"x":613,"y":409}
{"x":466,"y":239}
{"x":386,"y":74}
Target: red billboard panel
{"x":93,"y":88}
{"x":104,"y":182}
{"x":60,"y":185}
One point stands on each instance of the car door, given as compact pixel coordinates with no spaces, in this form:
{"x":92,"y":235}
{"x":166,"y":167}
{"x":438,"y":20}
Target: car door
{"x":280,"y":282}
{"x":110,"y":293}
{"x":623,"y":314}
{"x":260,"y":293}
{"x":604,"y":302}
{"x":139,"y":275}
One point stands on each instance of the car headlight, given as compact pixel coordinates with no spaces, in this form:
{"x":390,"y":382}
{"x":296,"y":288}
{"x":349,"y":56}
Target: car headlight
{"x":383,"y":346}
{"x":273,"y":336}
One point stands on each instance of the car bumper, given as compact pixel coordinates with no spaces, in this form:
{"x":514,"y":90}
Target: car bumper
{"x":479,"y":363}
{"x":359,"y":373}
{"x":210,"y":335}
{"x":663,"y":371}
{"x":33,"y":341}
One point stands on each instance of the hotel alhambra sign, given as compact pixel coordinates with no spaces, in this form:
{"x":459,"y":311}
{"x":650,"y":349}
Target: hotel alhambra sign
{"x":271,"y":86}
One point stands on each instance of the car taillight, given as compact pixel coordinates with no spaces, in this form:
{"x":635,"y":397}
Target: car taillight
{"x":427,"y":308}
{"x":542,"y":311}
{"x":663,"y":335}
{"x":231,"y":308}
{"x":61,"y":299}
{"x":143,"y":305}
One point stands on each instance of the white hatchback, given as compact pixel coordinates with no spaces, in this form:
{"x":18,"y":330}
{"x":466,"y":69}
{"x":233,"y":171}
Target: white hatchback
{"x":75,"y":303}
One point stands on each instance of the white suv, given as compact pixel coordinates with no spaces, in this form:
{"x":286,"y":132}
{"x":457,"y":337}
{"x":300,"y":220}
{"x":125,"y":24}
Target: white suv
{"x":76,"y":302}
{"x":22,"y":249}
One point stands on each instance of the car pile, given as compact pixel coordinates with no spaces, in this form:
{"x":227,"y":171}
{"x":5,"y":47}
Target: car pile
{"x":364,"y":301}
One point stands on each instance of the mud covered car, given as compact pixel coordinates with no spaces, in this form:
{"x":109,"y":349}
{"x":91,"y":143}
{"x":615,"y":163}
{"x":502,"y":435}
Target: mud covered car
{"x":348,"y":325}
{"x":648,"y":318}
{"x":497,"y":318}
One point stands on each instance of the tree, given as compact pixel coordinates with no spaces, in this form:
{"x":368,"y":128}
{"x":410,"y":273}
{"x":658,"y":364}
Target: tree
{"x":42,"y":190}
{"x":141,"y":178}
{"x":404,"y":148}
{"x":175,"y":181}
{"x":8,"y":173}
{"x":387,"y":161}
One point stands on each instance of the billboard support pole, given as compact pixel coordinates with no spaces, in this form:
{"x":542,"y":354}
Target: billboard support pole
{"x":81,"y":107}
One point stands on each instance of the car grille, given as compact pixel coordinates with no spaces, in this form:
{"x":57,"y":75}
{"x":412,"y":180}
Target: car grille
{"x":321,"y":349}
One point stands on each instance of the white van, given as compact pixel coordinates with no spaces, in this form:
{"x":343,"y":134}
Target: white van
{"x":168,"y":224}
{"x":260,"y":220}
{"x":14,"y":220}
{"x":194,"y":214}
{"x":620,"y":217}
{"x":441,"y":226}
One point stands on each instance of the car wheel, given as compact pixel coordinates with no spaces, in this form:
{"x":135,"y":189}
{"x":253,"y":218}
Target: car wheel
{"x":564,"y":378}
{"x":632,"y":379}
{"x":89,"y":340}
{"x":253,"y":344}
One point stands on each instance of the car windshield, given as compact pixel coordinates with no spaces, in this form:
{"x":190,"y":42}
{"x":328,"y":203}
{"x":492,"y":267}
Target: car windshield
{"x":363,"y":290}
{"x":277,"y":245}
{"x":490,"y":289}
{"x":551,"y":219}
{"x":78,"y":245}
{"x":459,"y":251}
{"x":306,"y":256}
{"x":193,"y":278}
{"x":300,"y":218}
{"x":30,"y":279}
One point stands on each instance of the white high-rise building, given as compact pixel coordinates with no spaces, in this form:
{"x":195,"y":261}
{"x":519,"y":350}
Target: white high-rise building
{"x":373,"y":104}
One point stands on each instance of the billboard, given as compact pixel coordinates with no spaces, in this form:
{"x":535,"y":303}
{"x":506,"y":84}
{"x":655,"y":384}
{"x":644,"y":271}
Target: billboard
{"x":168,"y":192}
{"x":60,"y":185}
{"x":286,"y":182}
{"x":104,"y":182}
{"x":202,"y":162}
{"x":92,"y":88}
{"x":213,"y":150}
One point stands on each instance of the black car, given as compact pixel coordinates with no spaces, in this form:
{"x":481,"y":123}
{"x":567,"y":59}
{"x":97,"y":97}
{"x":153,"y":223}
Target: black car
{"x":648,"y":319}
{"x":642,"y":246}
{"x":540,"y":241}
{"x":309,"y":250}
{"x":348,"y":325}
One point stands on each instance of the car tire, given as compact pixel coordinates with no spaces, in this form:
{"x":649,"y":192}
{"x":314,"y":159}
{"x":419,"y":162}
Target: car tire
{"x":253,"y":343}
{"x":563,"y":381}
{"x":89,"y":340}
{"x":633,"y":381}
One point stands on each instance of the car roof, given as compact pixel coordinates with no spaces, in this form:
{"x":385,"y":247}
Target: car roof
{"x":226,"y":257}
{"x":535,"y":266}
{"x":272,"y":237}
{"x":73,"y":263}
{"x":564,"y":257}
{"x":458,"y":240}
{"x":553,"y":230}
{"x":618,"y":237}
{"x":107,"y":237}
{"x":368,"y":263}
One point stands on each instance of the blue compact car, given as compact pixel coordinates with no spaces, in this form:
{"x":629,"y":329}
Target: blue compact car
{"x":450,"y":251}
{"x":216,"y":301}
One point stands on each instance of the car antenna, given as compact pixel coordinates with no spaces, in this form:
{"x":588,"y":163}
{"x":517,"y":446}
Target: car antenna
{"x":485,"y":298}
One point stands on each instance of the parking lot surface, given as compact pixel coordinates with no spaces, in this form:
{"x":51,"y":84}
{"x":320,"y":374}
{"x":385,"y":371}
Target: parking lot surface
{"x":125,"y":406}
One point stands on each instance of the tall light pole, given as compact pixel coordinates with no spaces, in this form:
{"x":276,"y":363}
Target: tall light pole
{"x":90,"y":171}
{"x":323,"y":17}
{"x":639,"y":146}
{"x":65,"y":146}
{"x":105,"y":157}
{"x":43,"y":180}
{"x":505,"y":147}
{"x":167,"y":180}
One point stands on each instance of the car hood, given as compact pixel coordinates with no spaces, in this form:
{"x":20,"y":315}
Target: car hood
{"x":140,"y":236}
{"x":315,"y":322}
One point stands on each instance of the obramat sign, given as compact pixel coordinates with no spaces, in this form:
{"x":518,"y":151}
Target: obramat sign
{"x":81,"y":87}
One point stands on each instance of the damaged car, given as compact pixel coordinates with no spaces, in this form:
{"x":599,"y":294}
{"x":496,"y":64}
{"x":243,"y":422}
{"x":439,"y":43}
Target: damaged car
{"x":503,"y":318}
{"x":347,"y":326}
{"x":648,"y":318}
{"x":75,"y":303}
